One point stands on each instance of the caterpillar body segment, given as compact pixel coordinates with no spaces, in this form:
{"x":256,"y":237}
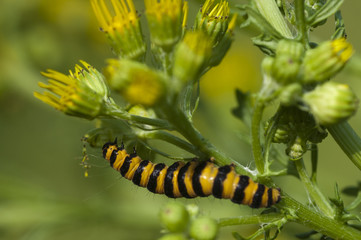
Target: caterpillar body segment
{"x":191,"y":179}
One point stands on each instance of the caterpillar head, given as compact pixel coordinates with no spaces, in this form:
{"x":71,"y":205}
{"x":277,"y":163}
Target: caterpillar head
{"x":108,"y":148}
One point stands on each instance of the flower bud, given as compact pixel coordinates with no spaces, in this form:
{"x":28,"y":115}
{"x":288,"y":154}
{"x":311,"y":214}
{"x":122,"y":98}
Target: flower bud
{"x":191,"y":56}
{"x":331,"y":103}
{"x":123,"y":29}
{"x":136,"y":82}
{"x":286,"y":64}
{"x":203,"y":228}
{"x":82,"y":93}
{"x":165,"y":20}
{"x":282,"y":133}
{"x":291,"y":94}
{"x":296,"y":149}
{"x":222,"y":47}
{"x":326,"y":60}
{"x":174,"y":216}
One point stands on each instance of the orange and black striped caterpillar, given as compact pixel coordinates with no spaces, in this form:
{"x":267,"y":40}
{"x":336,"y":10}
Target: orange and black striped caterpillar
{"x":190,"y":179}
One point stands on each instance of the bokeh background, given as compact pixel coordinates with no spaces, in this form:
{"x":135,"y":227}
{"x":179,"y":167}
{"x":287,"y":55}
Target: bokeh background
{"x":43,"y":191}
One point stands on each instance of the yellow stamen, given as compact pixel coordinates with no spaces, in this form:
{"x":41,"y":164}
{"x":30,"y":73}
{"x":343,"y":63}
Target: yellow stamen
{"x":185,"y":14}
{"x":125,"y":15}
{"x":219,"y":12}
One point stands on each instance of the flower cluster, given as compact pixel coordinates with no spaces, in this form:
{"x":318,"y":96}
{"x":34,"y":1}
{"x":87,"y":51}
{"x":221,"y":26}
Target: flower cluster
{"x":180,"y":55}
{"x":304,"y":76}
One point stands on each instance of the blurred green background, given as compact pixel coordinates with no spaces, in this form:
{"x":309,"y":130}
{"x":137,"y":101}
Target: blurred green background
{"x":43,"y":191}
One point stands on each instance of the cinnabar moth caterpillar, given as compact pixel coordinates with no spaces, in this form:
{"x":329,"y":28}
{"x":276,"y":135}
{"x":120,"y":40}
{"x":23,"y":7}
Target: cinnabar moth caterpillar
{"x":190,"y":179}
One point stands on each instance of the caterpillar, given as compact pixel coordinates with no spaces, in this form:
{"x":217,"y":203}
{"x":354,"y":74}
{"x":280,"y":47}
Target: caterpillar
{"x":190,"y":179}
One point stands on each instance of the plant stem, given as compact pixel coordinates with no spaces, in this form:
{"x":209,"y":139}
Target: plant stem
{"x":313,"y":190}
{"x":314,"y":161}
{"x":269,"y":9}
{"x":114,"y":111}
{"x":252,"y":219}
{"x":319,"y":222}
{"x":301,"y":21}
{"x":185,"y":127}
{"x":348,"y":140}
{"x":255,"y":136}
{"x":170,"y":138}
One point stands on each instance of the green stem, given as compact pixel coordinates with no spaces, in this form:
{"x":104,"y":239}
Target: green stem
{"x":319,"y":222}
{"x":314,"y":162}
{"x":170,"y":138}
{"x":301,"y":21}
{"x":185,"y":127}
{"x":255,"y":136}
{"x":252,"y":219}
{"x":313,"y":190}
{"x":114,"y":111}
{"x":348,"y":140}
{"x":270,"y":11}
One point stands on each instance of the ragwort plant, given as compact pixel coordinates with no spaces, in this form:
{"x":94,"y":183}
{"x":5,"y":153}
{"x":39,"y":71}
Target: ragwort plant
{"x":159,"y":82}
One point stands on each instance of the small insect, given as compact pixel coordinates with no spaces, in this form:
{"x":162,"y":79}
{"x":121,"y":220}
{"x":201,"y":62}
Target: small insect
{"x":190,"y":179}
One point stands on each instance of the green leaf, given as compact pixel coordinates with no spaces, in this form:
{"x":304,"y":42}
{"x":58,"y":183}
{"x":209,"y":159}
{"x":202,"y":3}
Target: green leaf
{"x":266,"y":44}
{"x":244,"y":109}
{"x":189,"y":99}
{"x":324,"y":12}
{"x":340,"y":30}
{"x":259,"y":21}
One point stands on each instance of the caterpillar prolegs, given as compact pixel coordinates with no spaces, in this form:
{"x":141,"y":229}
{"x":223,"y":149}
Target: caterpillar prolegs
{"x":191,"y":179}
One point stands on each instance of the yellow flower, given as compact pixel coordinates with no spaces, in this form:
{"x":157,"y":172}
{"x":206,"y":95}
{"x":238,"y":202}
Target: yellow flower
{"x":191,"y":55}
{"x":213,"y":19}
{"x":136,"y":82}
{"x":123,"y":28}
{"x":326,"y":60}
{"x":166,"y":18}
{"x":218,"y":12}
{"x":81,"y":93}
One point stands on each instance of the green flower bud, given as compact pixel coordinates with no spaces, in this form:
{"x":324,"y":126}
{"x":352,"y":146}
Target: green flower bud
{"x":287,"y":62}
{"x":267,"y":64}
{"x":331,"y":103}
{"x":123,"y":29}
{"x":291,"y":94}
{"x":82,"y":93}
{"x":136,"y":82}
{"x":191,"y":56}
{"x":174,"y":216}
{"x":203,"y":228}
{"x":221,"y":48}
{"x":282,"y":133}
{"x":173,"y":236}
{"x":165,"y":20}
{"x":296,"y":149}
{"x":290,"y":48}
{"x":326,"y":60}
